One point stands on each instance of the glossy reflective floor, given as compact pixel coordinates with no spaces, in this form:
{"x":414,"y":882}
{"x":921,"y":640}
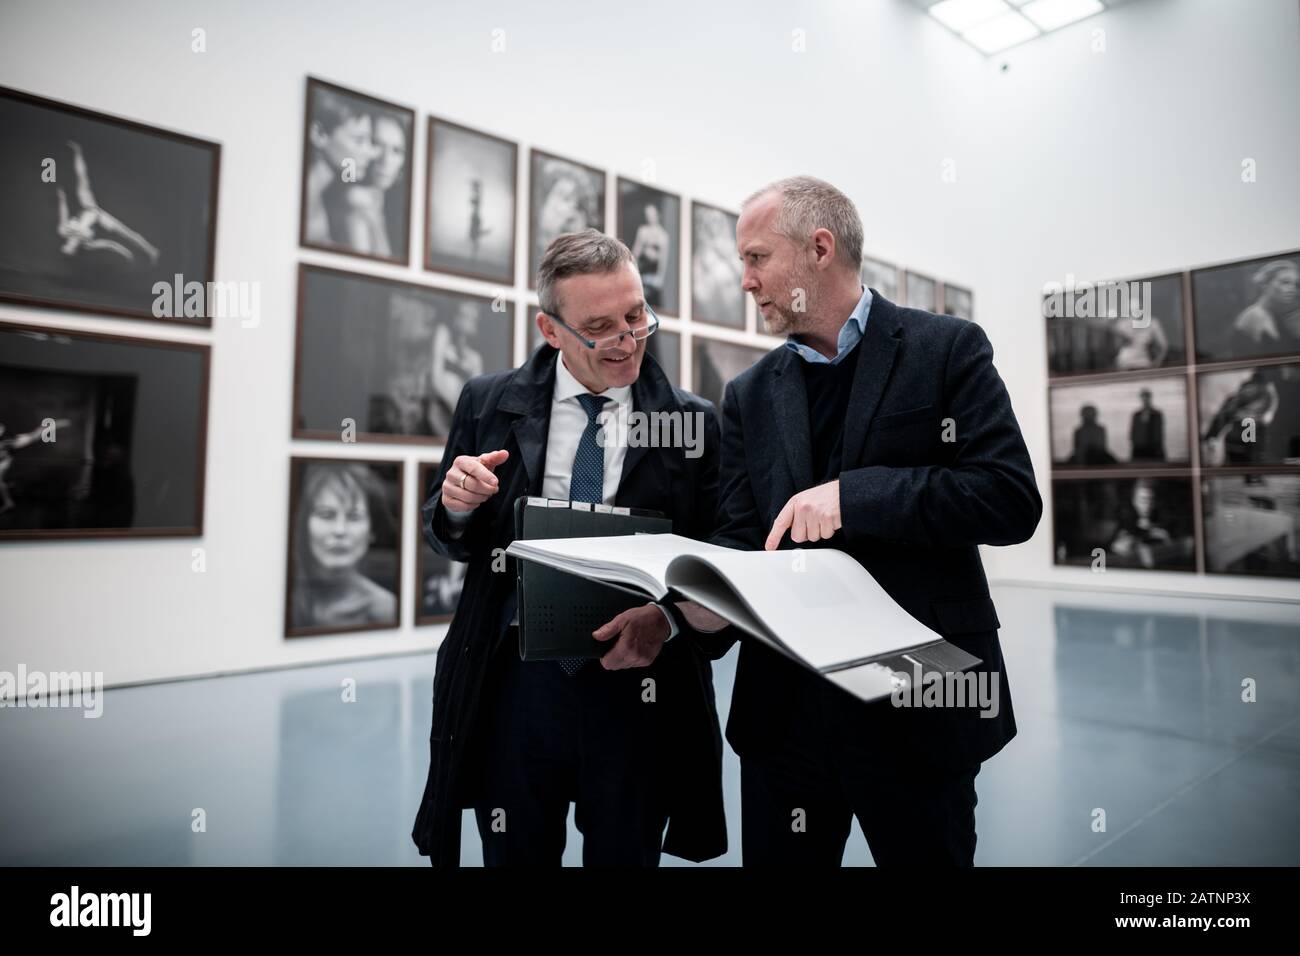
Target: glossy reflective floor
{"x":1131,"y":705}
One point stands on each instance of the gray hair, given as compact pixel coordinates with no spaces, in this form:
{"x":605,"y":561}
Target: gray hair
{"x":809,"y":204}
{"x":577,"y":254}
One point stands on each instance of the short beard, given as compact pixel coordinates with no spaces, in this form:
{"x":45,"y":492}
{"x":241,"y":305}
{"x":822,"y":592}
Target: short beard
{"x":787,"y":321}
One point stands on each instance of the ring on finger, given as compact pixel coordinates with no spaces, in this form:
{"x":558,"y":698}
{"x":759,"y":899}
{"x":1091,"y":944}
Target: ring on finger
{"x":462,"y":480}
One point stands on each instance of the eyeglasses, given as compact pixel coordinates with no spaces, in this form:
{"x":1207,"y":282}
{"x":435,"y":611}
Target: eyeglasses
{"x":644,"y":326}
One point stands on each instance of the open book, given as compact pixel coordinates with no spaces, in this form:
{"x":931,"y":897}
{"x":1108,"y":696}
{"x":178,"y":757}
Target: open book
{"x":818,"y":607}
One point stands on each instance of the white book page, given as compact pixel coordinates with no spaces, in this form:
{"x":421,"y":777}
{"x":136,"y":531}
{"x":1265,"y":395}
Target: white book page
{"x":821,"y":604}
{"x":640,"y":559}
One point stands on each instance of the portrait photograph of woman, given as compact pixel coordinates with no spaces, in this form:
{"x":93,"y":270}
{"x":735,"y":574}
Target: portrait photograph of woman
{"x":1247,"y":309}
{"x":564,"y":196}
{"x":650,"y":224}
{"x":345,"y":546}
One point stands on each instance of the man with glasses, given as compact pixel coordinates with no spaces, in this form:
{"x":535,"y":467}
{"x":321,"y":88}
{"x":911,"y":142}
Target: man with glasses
{"x":633,"y":738}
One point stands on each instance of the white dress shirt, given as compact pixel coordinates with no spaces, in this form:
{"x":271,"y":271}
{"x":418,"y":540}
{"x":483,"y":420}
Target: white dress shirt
{"x":568,"y":421}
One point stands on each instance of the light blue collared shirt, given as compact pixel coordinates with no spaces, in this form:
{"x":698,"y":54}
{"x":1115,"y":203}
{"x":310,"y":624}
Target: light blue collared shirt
{"x":855,"y":326}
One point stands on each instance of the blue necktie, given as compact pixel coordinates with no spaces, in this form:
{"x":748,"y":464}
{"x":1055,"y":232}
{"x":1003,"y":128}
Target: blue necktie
{"x":587,"y":481}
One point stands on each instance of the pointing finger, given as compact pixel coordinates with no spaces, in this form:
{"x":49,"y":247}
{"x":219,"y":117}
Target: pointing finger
{"x":780,"y":526}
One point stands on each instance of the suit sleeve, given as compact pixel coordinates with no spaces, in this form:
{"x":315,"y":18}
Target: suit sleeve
{"x":739,"y":523}
{"x":713,"y":644}
{"x":437,"y":526}
{"x":985,"y":495}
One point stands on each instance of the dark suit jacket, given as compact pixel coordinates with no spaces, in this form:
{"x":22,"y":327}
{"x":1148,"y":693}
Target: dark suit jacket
{"x":913,"y":507}
{"x":512,"y":410}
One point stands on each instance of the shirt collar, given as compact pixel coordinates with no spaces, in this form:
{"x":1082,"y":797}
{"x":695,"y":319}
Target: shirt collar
{"x":566,"y":386}
{"x":855,"y":326}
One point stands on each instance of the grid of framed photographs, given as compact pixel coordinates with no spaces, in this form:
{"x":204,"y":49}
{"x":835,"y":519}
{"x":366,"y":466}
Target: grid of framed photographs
{"x":378,"y":359}
{"x":103,"y":436}
{"x":1174,"y":413}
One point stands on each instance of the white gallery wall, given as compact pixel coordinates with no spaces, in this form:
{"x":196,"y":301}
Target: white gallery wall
{"x":1129,"y":163}
{"x":1069,"y":161}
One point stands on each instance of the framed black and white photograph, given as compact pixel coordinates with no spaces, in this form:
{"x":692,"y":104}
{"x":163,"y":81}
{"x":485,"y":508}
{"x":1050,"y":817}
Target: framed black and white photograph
{"x":716,"y":296}
{"x":1116,"y":326}
{"x":664,"y":346}
{"x":356,"y":174}
{"x":1133,"y":421}
{"x":666,"y":349}
{"x":958,"y":301}
{"x":98,"y":211}
{"x":382,"y":360}
{"x":470,"y":199}
{"x":438,"y":580}
{"x":715,"y":363}
{"x":922,"y":292}
{"x":1247,"y":309}
{"x":650,"y":224}
{"x":1250,"y":416}
{"x":101,"y":436}
{"x":344,"y":546}
{"x":1252,"y":524}
{"x":563,"y":196}
{"x":1143,"y":522}
{"x":880,"y":276}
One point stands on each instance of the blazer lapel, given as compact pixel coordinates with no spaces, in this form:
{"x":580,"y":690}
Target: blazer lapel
{"x":529,"y":396}
{"x":651,"y":392}
{"x":791,"y":400}
{"x":879,"y":347}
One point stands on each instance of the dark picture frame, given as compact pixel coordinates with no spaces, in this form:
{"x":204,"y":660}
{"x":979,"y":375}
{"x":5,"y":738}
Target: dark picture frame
{"x":880,"y":275}
{"x":716,"y":296}
{"x":1104,"y":423}
{"x":128,"y":206}
{"x":355,"y":217}
{"x":323,"y":544}
{"x":920,"y":291}
{"x":1247,"y":309}
{"x":1090,"y":513}
{"x":1081,"y":342}
{"x":130,"y":417}
{"x":715,"y":362}
{"x":564,"y":195}
{"x":380,"y":326}
{"x":1249,"y":415}
{"x":496,"y":166}
{"x":635,"y":201}
{"x":431,"y":566}
{"x":957,"y":300}
{"x":1251,"y":523}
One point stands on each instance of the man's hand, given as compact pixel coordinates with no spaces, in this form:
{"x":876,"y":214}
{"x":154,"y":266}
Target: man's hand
{"x":809,"y":516}
{"x":470,"y":481}
{"x":641,"y":633}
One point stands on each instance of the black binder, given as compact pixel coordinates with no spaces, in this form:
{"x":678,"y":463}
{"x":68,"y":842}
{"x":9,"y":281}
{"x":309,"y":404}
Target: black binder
{"x":558,"y":611}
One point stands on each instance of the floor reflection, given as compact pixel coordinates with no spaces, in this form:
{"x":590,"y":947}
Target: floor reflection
{"x":1127,"y":706}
